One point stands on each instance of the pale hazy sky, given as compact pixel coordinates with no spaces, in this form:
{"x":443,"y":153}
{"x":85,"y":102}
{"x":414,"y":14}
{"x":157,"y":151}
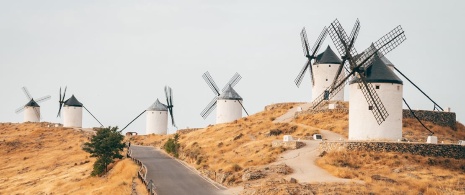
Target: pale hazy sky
{"x":116,"y":56}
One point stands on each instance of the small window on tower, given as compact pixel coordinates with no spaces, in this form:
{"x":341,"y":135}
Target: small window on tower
{"x":370,"y":107}
{"x":377,"y":86}
{"x":330,"y":65}
{"x":398,"y":88}
{"x":326,"y":79}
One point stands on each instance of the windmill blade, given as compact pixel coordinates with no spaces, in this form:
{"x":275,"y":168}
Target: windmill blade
{"x":209,"y":80}
{"x":374,"y":102}
{"x":300,"y":76}
{"x":45,"y":98}
{"x":383,"y":46}
{"x":318,"y":42}
{"x":233,"y":81}
{"x":37,"y":113}
{"x":304,"y":40}
{"x":172,"y":117}
{"x":169,"y":101}
{"x":168,"y":94}
{"x":93,"y":116}
{"x":20,"y":109}
{"x":210,"y":107}
{"x":64,"y":94}
{"x":243,"y":107}
{"x":354,"y":33}
{"x":339,"y":38}
{"x":26,"y":92}
{"x":60,"y":104}
{"x":131,"y":121}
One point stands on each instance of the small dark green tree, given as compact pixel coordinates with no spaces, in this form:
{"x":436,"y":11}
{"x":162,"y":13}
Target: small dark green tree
{"x":106,"y":145}
{"x":171,"y":146}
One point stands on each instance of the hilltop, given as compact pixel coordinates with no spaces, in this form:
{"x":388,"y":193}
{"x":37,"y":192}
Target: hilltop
{"x":39,"y":158}
{"x":227,"y":152}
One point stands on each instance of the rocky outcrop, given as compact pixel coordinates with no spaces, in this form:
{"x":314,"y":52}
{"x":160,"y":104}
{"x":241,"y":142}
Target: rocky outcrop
{"x":288,"y":145}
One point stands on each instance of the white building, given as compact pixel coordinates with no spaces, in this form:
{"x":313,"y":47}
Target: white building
{"x":324,"y":70}
{"x":157,"y":118}
{"x":229,"y":106}
{"x":389,"y":87}
{"x":32,"y":111}
{"x":72,"y":113}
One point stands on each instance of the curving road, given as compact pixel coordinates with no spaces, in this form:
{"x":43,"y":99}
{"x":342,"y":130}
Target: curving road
{"x":172,"y":177}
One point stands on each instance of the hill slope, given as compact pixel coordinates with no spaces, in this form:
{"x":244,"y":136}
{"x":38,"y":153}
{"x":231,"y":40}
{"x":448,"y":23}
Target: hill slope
{"x":38,"y":159}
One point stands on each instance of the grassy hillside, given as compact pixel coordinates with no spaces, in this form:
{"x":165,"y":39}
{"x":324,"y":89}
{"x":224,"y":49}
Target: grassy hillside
{"x":37,"y":159}
{"x":231,"y":147}
{"x":396,"y":173}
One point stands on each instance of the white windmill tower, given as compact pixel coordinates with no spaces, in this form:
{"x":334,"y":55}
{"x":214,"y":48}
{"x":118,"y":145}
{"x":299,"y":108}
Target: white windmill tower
{"x":72,"y":111}
{"x":368,"y":84}
{"x":157,"y":119}
{"x":157,"y":115}
{"x":389,"y":88}
{"x":32,"y":108}
{"x":229,"y":102}
{"x":325,"y":66}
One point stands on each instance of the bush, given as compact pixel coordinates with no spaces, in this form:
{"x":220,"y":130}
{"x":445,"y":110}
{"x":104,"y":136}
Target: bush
{"x":106,"y":145}
{"x":172,"y":146}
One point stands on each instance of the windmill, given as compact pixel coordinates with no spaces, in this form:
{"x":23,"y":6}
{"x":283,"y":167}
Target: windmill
{"x":322,"y":69}
{"x":72,"y":113}
{"x":229,"y":102}
{"x":157,"y":115}
{"x":358,"y":67}
{"x":31,"y":109}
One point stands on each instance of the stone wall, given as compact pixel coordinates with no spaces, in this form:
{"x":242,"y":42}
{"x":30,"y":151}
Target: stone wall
{"x":424,"y":149}
{"x":289,"y":144}
{"x":439,"y":118}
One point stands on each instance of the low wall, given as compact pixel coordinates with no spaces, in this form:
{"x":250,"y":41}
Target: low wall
{"x":424,"y":149}
{"x":439,"y":118}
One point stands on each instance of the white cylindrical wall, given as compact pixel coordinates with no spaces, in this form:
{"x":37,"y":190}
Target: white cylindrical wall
{"x":362,"y":123}
{"x":323,"y":75}
{"x":228,"y":110}
{"x":31,"y":114}
{"x":157,"y":122}
{"x":72,"y":116}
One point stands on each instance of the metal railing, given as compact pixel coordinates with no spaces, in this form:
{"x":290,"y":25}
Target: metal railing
{"x":142,"y":174}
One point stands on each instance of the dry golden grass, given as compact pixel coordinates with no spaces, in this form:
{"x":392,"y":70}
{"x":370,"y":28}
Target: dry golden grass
{"x":332,"y":121}
{"x":414,"y":131}
{"x":231,"y":147}
{"x":399,"y":173}
{"x":37,"y":159}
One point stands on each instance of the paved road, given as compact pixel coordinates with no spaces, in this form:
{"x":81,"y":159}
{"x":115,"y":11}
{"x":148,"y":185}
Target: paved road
{"x":172,"y":177}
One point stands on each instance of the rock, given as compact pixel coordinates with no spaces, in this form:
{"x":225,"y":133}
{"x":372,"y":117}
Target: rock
{"x":397,"y":170}
{"x":382,"y":178}
{"x":292,"y":180}
{"x":252,"y":175}
{"x":237,"y":137}
{"x":322,"y":154}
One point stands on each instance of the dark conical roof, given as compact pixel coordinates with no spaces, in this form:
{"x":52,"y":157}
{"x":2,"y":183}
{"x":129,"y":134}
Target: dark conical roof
{"x":32,"y":103}
{"x":158,"y":106}
{"x":72,"y":101}
{"x":379,"y":72}
{"x":327,"y":57}
{"x":229,"y":94}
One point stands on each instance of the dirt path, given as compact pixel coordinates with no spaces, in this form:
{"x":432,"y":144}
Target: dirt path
{"x":287,"y":117}
{"x":303,"y":159}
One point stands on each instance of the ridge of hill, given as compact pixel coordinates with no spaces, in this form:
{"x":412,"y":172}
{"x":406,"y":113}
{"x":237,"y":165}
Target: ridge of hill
{"x":38,"y":158}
